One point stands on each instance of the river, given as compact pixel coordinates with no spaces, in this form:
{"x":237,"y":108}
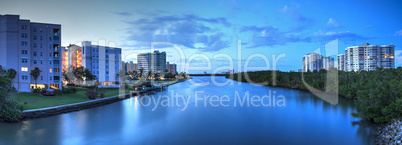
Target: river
{"x":294,"y":117}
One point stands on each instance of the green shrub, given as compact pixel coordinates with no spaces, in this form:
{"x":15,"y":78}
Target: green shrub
{"x":37,"y":91}
{"x":58,"y":92}
{"x":91,"y":94}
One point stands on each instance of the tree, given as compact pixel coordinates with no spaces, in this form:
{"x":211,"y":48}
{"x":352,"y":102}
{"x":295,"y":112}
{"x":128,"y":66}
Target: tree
{"x":149,"y":75}
{"x":156,"y":76}
{"x":35,"y":74}
{"x":141,"y":72}
{"x":11,"y":73}
{"x":82,"y":74}
{"x":9,"y":108}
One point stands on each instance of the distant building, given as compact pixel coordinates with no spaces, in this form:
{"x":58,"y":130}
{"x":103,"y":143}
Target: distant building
{"x":103,"y":61}
{"x":300,"y":70}
{"x":312,"y":61}
{"x":368,"y":57}
{"x":205,"y":72}
{"x":231,"y":71}
{"x":130,"y":66}
{"x":327,"y":63}
{"x":341,"y":62}
{"x":25,"y":45}
{"x":155,"y":61}
{"x":172,"y":69}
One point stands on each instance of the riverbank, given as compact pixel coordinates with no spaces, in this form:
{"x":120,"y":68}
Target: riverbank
{"x":71,"y":107}
{"x":390,"y":133}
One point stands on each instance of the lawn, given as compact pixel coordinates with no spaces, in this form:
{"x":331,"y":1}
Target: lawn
{"x":36,"y":101}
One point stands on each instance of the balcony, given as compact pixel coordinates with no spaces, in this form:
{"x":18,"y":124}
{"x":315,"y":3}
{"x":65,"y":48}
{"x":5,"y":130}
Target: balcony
{"x":56,"y":73}
{"x":56,"y":81}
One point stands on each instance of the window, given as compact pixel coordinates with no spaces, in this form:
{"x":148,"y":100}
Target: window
{"x":34,"y":37}
{"x":34,"y":53}
{"x":35,"y":61}
{"x":34,"y":45}
{"x":50,"y":38}
{"x":50,"y":70}
{"x":41,"y":61}
{"x":50,"y":61}
{"x":40,"y":46}
{"x":24,"y":27}
{"x":24,"y":60}
{"x":24,"y":68}
{"x":50,"y":54}
{"x":41,"y":78}
{"x":41,"y":54}
{"x":24,"y":43}
{"x":24,"y":51}
{"x":24,"y":77}
{"x":50,"y":78}
{"x":107,"y":72}
{"x":41,"y":37}
{"x":24,"y":35}
{"x":34,"y":29}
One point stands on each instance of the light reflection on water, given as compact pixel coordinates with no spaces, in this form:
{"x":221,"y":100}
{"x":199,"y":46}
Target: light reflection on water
{"x":305,"y":120}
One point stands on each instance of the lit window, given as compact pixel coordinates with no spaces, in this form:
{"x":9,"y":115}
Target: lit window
{"x":24,"y":68}
{"x":50,"y":70}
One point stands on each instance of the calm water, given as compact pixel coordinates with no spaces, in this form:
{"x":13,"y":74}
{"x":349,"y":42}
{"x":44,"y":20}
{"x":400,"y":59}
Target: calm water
{"x":306,"y":119}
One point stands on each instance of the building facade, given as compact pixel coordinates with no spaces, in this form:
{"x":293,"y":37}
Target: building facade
{"x":130,"y":66}
{"x":368,"y":57}
{"x":155,"y":61}
{"x":25,"y":45}
{"x":327,"y":63}
{"x":341,"y":62}
{"x":104,"y":62}
{"x":312,"y":61}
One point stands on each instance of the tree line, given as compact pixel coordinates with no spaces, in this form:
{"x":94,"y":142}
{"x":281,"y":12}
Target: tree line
{"x":377,"y":94}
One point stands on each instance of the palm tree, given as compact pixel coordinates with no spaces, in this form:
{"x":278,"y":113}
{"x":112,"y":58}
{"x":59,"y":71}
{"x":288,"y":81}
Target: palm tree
{"x":35,"y":74}
{"x":149,"y":74}
{"x":141,"y":72}
{"x":11,"y":73}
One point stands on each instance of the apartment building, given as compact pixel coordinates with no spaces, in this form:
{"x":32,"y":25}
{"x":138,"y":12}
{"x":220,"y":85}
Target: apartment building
{"x":155,"y":61}
{"x":368,"y":57}
{"x":327,"y":63}
{"x":341,"y":62}
{"x":312,"y":61}
{"x":25,"y":45}
{"x":130,"y":66}
{"x":171,"y":68}
{"x":103,"y":61}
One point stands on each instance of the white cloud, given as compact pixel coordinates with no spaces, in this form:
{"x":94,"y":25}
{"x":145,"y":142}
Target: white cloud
{"x":333,"y":24}
{"x":398,"y":33}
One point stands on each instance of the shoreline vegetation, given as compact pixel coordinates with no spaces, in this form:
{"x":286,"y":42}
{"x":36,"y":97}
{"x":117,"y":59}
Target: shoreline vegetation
{"x":377,"y":94}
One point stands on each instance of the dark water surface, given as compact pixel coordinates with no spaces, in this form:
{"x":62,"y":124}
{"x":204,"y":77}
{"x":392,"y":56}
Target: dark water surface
{"x":305,"y":119}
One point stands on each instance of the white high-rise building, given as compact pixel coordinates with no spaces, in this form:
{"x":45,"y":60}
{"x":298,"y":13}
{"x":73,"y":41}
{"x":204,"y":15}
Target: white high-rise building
{"x":103,"y":61}
{"x":368,"y":57}
{"x":312,"y":61}
{"x":155,"y":61}
{"x":25,"y":45}
{"x":327,"y":63}
{"x":341,"y":62}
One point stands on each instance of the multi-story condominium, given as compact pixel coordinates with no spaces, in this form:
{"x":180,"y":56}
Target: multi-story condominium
{"x":327,"y":63}
{"x":130,"y":66}
{"x":25,"y":45}
{"x":155,"y":61}
{"x":312,"y":61}
{"x":368,"y":57}
{"x":103,"y":61}
{"x":171,"y":68}
{"x":341,"y":62}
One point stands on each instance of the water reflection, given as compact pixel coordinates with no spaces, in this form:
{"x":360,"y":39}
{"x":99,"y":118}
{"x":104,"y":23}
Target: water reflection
{"x":306,"y":119}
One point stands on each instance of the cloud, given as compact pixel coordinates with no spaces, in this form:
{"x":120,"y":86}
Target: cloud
{"x":332,"y":24}
{"x":293,"y":14}
{"x":122,"y":13}
{"x":398,"y":33}
{"x":345,"y":36}
{"x":185,"y":30}
{"x":271,"y":36}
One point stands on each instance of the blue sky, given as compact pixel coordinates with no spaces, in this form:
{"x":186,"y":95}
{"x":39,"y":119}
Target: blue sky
{"x":209,"y":28}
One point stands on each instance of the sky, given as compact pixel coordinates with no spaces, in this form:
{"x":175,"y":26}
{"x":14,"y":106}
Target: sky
{"x":209,"y":35}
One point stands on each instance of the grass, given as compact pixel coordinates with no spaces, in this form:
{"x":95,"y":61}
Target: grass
{"x":31,"y":101}
{"x":36,"y":101}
